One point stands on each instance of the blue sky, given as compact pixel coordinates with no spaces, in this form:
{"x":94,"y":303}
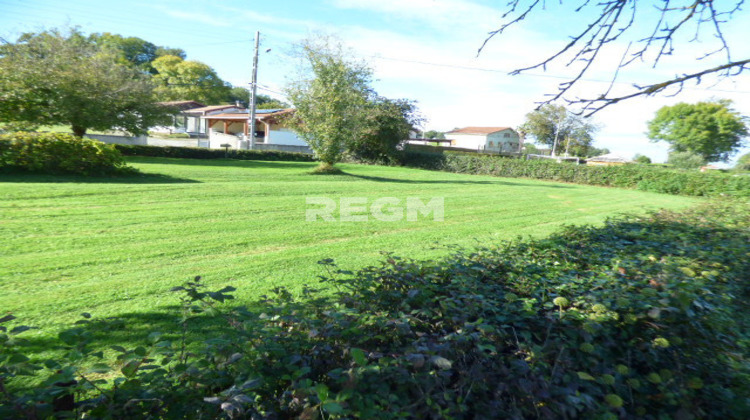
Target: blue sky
{"x":425,"y":50}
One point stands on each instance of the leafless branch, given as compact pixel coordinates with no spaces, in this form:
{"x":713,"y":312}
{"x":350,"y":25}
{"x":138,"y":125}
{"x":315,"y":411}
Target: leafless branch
{"x":611,"y":22}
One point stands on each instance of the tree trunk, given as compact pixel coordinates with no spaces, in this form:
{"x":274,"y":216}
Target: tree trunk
{"x":78,"y":131}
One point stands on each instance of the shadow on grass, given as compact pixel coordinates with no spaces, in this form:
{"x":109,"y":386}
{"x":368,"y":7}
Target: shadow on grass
{"x":250,"y":164}
{"x":442,"y":181}
{"x":131,"y":330}
{"x":141,"y":178}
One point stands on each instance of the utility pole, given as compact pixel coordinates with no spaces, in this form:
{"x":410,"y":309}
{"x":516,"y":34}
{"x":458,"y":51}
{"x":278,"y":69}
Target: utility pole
{"x":253,"y":93}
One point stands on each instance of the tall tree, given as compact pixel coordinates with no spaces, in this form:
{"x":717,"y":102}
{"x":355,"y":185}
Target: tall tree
{"x":608,"y":24}
{"x":556,"y":127}
{"x":387,"y":123}
{"x":56,"y":77}
{"x":330,"y":97}
{"x":177,"y":80}
{"x":712,"y":130}
{"x":135,"y":51}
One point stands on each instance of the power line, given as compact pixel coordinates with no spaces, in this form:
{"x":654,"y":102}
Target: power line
{"x":551,"y":76}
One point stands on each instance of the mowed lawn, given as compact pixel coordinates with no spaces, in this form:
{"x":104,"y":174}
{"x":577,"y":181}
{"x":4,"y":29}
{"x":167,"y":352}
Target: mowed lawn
{"x":116,"y":247}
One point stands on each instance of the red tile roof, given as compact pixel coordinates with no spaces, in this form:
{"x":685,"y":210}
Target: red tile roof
{"x":478,"y":130}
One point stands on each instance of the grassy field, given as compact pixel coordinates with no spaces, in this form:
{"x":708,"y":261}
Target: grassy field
{"x":115,"y":246}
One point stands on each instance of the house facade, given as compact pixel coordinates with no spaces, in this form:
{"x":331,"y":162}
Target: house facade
{"x":488,"y":139}
{"x":233,"y":128}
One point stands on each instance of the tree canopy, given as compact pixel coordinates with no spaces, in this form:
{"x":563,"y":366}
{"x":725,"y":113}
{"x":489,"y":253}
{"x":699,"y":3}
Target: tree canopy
{"x":712,"y":130}
{"x":53,"y":77}
{"x":387,"y":123}
{"x":607,"y":23}
{"x":558,"y":128}
{"x":178,"y":79}
{"x":330,"y":97}
{"x":242,"y":95}
{"x":133,"y":50}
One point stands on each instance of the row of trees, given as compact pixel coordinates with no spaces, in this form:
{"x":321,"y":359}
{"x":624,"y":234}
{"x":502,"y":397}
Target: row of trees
{"x":102,"y":81}
{"x":708,"y":131}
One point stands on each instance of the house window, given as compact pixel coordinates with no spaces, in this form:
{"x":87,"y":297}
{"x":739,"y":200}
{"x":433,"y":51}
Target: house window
{"x":506,"y":135}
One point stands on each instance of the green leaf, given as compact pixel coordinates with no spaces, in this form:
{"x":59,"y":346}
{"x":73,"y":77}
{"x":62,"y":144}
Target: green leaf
{"x":441,"y":362}
{"x":322,"y":391}
{"x":359,"y":356}
{"x":332,"y":407}
{"x":585,"y":376}
{"x":99,"y":368}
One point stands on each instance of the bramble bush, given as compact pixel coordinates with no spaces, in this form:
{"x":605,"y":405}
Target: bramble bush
{"x":644,"y":317}
{"x":641,"y":177}
{"x":57,"y":153}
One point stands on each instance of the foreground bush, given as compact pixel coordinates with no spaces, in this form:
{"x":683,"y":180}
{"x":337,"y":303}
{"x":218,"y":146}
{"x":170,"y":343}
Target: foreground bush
{"x":57,"y":153}
{"x":203,"y":153}
{"x":645,"y":317}
{"x":641,"y":177}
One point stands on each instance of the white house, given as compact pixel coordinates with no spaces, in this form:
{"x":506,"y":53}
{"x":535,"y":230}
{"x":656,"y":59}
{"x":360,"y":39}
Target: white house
{"x":490,"y":139}
{"x":189,"y":119}
{"x":233,"y":128}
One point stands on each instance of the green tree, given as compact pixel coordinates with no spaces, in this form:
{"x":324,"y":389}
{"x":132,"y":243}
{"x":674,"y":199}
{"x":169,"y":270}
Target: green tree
{"x":177,"y":52}
{"x":710,"y":129}
{"x":556,"y":127}
{"x":330,"y":98}
{"x":53,"y":77}
{"x":135,"y":51}
{"x":432,"y":134}
{"x":178,"y":80}
{"x":743,"y":163}
{"x":686,"y":160}
{"x":642,"y":159}
{"x":388,"y":123}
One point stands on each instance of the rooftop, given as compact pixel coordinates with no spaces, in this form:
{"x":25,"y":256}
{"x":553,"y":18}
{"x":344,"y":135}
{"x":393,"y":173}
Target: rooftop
{"x":478,"y":130}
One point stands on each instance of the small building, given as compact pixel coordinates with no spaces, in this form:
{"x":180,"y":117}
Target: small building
{"x":189,"y":120}
{"x":233,"y":128}
{"x":610,"y":159}
{"x":485,"y":139}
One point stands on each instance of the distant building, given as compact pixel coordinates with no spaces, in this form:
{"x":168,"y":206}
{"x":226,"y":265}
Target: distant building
{"x":610,"y":159}
{"x":489,"y":139}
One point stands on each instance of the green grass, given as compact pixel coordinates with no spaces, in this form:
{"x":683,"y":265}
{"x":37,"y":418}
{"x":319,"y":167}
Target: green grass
{"x":113,"y":247}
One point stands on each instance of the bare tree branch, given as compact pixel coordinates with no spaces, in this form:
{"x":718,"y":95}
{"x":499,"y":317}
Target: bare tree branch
{"x":614,"y":20}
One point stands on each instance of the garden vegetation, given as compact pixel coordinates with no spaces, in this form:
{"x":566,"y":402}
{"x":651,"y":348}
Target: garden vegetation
{"x":644,"y":317}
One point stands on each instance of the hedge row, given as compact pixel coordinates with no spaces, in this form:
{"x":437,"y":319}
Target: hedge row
{"x":203,"y":153}
{"x":643,"y":318}
{"x":641,"y":177}
{"x":57,"y":153}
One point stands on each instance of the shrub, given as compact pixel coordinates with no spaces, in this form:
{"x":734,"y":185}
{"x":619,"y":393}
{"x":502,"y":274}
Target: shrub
{"x":642,"y":177}
{"x":686,"y":160}
{"x":57,"y":153}
{"x":202,"y":153}
{"x":644,"y":317}
{"x":643,"y":159}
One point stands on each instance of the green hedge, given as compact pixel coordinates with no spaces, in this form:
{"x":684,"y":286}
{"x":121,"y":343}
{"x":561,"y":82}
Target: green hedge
{"x":57,"y":153}
{"x":644,"y":317}
{"x":641,"y":177}
{"x":203,"y":153}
